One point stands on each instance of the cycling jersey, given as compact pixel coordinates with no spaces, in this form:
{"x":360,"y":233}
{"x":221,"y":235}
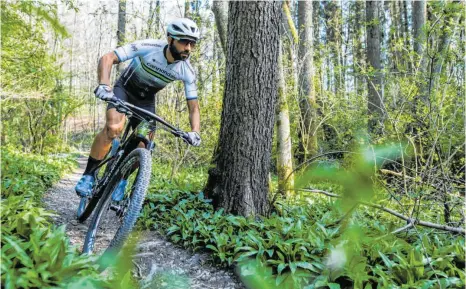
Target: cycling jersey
{"x":149,"y":71}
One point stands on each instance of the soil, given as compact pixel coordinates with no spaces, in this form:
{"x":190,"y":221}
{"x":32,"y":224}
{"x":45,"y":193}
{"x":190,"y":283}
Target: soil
{"x":157,"y":262}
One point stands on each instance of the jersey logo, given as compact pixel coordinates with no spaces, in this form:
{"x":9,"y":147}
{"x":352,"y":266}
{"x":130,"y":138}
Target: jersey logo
{"x":155,"y":71}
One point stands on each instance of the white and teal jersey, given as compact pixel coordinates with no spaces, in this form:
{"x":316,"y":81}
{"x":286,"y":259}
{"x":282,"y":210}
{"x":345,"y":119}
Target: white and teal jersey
{"x":149,"y":71}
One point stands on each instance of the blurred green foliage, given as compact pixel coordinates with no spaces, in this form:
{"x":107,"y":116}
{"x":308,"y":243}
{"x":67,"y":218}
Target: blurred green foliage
{"x":35,"y":253}
{"x":303,"y":244}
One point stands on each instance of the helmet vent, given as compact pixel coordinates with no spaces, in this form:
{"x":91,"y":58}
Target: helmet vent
{"x":177,"y":28}
{"x":185,"y":26}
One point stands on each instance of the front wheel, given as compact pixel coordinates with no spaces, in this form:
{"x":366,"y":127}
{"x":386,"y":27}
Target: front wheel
{"x":114,"y":220}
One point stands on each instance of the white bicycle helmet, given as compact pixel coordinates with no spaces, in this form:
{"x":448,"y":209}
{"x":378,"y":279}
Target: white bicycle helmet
{"x":183,"y":28}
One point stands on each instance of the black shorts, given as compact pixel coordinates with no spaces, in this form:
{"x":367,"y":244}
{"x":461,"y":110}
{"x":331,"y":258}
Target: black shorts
{"x":121,"y":93}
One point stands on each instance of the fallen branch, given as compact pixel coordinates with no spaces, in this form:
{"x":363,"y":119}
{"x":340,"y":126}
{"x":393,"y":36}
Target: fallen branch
{"x":394,"y":213}
{"x":411,"y":224}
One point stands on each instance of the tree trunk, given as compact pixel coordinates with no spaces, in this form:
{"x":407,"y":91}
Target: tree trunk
{"x":187,"y":8}
{"x":374,"y":98}
{"x":417,"y":127}
{"x":307,"y":98}
{"x":419,"y":20}
{"x":285,"y":159}
{"x":334,"y":29}
{"x":358,"y":47}
{"x":316,"y":22}
{"x":121,"y":29}
{"x":449,"y":24}
{"x":154,"y":18}
{"x":220,"y":9}
{"x":239,"y":181}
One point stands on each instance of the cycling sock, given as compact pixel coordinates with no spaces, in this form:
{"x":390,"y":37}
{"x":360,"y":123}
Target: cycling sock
{"x":92,"y":164}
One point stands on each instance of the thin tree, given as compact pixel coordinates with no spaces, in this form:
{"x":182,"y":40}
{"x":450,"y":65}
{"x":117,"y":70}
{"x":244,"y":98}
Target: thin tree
{"x":374,"y":98}
{"x":220,"y":9}
{"x":239,"y":182}
{"x":121,"y":29}
{"x":285,"y":157}
{"x":307,"y":97}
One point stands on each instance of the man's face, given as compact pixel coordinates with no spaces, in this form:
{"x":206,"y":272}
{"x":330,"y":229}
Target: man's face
{"x":184,"y":47}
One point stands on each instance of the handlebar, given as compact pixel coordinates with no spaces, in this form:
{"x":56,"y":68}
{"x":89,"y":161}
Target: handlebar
{"x":128,"y":109}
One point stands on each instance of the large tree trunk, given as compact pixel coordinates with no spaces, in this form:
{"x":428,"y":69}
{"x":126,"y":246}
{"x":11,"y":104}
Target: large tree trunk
{"x":374,"y":98}
{"x":220,"y":9}
{"x":121,"y":29}
{"x":307,"y":98}
{"x":239,"y":182}
{"x":285,"y":158}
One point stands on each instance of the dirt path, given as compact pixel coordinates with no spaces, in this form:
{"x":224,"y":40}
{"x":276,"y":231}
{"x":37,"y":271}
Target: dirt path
{"x":158,"y":263}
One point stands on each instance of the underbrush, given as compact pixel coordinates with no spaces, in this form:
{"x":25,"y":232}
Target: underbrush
{"x":35,"y":253}
{"x":305,"y":243}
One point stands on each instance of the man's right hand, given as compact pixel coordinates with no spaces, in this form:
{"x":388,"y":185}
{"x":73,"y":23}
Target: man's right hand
{"x":104,"y":92}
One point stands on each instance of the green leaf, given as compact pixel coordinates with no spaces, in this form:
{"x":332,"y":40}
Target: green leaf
{"x":333,"y":285}
{"x":387,"y":261}
{"x":281,"y":267}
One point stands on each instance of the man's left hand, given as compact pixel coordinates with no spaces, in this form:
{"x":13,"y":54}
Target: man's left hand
{"x":194,"y":138}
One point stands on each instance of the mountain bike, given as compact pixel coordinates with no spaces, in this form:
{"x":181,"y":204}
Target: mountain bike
{"x":114,"y":219}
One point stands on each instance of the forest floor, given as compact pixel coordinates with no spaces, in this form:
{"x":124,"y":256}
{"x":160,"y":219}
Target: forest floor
{"x":157,"y":262}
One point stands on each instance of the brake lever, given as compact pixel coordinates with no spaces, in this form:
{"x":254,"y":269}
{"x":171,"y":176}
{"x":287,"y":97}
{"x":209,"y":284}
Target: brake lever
{"x":181,"y":134}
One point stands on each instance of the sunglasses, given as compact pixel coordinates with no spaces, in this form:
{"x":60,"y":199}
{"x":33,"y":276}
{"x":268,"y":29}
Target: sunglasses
{"x":185,"y":42}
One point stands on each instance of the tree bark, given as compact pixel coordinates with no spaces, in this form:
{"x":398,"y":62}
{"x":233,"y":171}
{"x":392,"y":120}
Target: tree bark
{"x":239,"y":181}
{"x":220,"y":9}
{"x":374,"y":98}
{"x":307,"y":98}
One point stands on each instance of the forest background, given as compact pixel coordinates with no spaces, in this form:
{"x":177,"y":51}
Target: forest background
{"x":368,"y":111}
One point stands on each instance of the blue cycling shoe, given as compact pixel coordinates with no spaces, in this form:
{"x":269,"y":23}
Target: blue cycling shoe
{"x":119,"y":192}
{"x":84,"y":186}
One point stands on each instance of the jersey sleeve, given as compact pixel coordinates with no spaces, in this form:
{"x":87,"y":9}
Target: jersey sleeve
{"x":137,"y":48}
{"x":190,"y":87}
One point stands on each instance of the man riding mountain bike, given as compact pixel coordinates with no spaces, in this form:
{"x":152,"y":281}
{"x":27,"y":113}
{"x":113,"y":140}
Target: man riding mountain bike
{"x":155,"y":63}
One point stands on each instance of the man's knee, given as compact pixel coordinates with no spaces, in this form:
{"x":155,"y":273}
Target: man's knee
{"x":113,"y":130}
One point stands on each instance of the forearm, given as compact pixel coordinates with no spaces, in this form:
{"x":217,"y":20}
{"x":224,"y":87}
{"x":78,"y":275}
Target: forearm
{"x":195,"y":121}
{"x":194,"y":115}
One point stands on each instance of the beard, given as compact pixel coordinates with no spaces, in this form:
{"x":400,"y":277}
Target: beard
{"x":183,"y":55}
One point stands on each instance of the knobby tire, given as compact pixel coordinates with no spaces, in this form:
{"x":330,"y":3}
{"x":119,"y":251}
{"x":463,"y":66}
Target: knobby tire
{"x":136,"y":199}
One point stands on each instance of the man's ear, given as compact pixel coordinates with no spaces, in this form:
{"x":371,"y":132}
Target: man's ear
{"x":169,"y":39}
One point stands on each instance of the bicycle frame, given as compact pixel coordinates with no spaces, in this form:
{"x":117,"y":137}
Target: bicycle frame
{"x":130,"y":140}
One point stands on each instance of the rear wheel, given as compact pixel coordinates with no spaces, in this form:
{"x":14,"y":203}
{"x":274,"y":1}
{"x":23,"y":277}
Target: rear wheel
{"x":114,"y":220}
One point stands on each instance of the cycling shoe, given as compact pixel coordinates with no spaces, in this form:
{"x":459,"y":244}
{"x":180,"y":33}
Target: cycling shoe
{"x":84,"y":186}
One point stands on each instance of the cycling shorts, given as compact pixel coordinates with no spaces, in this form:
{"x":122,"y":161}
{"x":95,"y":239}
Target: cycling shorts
{"x":123,"y":94}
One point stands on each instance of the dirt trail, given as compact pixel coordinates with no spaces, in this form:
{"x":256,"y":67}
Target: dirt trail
{"x":157,"y":262}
